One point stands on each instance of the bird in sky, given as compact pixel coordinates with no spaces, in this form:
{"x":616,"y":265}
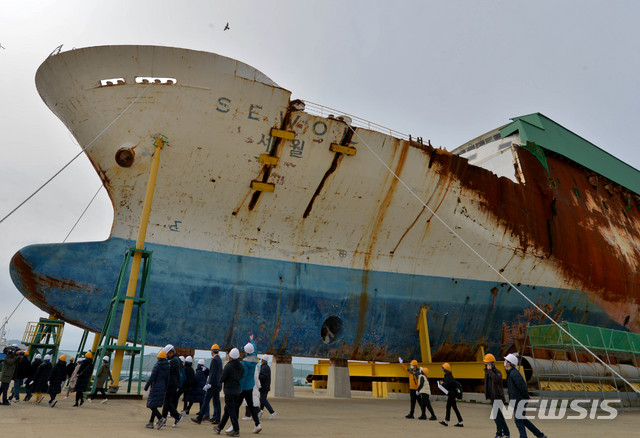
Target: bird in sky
{"x":227,"y":27}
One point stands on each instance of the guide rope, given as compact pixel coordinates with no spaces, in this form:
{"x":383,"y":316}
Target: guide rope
{"x":79,"y":153}
{"x":506,"y":280}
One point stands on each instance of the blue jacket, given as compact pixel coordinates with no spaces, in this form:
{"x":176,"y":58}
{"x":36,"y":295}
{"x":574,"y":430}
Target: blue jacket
{"x":158,"y":381}
{"x":516,"y":385}
{"x":196,"y":395}
{"x":249,"y":366}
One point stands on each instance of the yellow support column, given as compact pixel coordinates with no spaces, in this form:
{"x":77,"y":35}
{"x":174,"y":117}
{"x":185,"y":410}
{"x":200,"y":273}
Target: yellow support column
{"x":423,"y":329}
{"x":135,"y":264}
{"x":96,"y":342}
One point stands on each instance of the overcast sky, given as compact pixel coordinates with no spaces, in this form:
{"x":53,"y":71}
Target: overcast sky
{"x":446,"y":71}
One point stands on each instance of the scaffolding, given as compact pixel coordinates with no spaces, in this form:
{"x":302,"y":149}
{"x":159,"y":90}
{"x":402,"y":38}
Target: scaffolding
{"x":43,"y":337}
{"x":567,"y":373}
{"x":107,"y":343}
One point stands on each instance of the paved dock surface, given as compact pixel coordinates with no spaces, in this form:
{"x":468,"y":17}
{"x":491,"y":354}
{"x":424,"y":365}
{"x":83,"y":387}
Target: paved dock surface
{"x":307,"y":415}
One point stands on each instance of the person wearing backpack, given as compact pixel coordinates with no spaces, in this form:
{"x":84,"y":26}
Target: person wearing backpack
{"x":493,"y":391}
{"x":453,"y":390}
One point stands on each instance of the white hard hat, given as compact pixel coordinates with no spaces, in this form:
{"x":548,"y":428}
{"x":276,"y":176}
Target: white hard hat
{"x":106,"y":358}
{"x":47,"y":357}
{"x":181,"y":358}
{"x":266,"y":357}
{"x":168,"y":348}
{"x":37,"y":356}
{"x":249,"y":348}
{"x":512,"y":359}
{"x":200,"y":361}
{"x":188,"y":359}
{"x":234,"y":353}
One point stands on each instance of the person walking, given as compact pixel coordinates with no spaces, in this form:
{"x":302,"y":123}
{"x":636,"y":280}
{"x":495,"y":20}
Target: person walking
{"x":71,"y":366}
{"x":265,"y":387}
{"x":212,"y":388}
{"x":56,"y":379}
{"x":519,"y":393}
{"x":424,"y":391}
{"x":450,"y":386}
{"x":196,"y":395}
{"x":9,"y":366}
{"x":37,"y":361}
{"x":175,"y":367}
{"x":41,"y":379}
{"x":85,"y":369}
{"x":158,"y":382}
{"x":74,"y":377}
{"x":189,"y":381}
{"x":247,"y":383}
{"x":493,"y":390}
{"x":230,"y":379}
{"x":104,"y":374}
{"x":20,"y":374}
{"x":414,"y":374}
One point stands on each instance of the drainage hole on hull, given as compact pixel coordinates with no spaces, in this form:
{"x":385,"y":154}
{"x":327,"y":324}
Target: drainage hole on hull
{"x":331,"y":329}
{"x":125,"y":157}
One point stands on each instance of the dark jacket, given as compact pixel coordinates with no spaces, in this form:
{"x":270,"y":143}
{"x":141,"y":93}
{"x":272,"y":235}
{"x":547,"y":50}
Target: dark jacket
{"x":231,"y":376}
{"x":24,"y":368}
{"x":42,"y":377}
{"x":84,"y":375}
{"x":196,"y":395}
{"x":449,"y":384}
{"x":265,"y":377}
{"x":57,"y":378}
{"x":516,"y":385}
{"x":175,"y":367}
{"x":159,"y":382}
{"x":493,"y":389}
{"x":9,"y":366}
{"x":215,"y":372}
{"x":189,"y":377}
{"x":70,"y":367}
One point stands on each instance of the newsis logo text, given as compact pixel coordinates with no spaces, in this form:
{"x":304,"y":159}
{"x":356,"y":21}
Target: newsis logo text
{"x":557,"y":409}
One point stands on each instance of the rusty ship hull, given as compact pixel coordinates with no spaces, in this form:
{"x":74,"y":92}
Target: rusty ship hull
{"x":339,"y":258}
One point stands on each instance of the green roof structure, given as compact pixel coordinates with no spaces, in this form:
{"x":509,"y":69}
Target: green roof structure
{"x":543,"y":132}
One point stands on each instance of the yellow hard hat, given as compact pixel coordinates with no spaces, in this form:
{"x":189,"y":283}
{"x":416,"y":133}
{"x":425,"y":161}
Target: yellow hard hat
{"x":71,"y":359}
{"x":88,"y":355}
{"x":489,"y":358}
{"x":424,"y":370}
{"x":63,"y":357}
{"x":162,"y":354}
{"x":446,"y":366}
{"x":215,"y":347}
{"x":414,"y":363}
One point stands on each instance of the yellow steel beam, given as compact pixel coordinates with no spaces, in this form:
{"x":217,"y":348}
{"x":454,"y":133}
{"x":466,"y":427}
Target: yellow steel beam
{"x":347,"y":150}
{"x":461,"y":370}
{"x":423,"y":330}
{"x":262,"y":187}
{"x":279,"y":133}
{"x":268,"y":160}
{"x":135,"y":264}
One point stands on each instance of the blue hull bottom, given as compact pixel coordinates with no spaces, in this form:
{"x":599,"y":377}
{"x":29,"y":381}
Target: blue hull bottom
{"x":197,"y":298}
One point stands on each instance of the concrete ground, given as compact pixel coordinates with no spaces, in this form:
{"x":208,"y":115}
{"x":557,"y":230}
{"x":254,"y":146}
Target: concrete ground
{"x":307,"y":415}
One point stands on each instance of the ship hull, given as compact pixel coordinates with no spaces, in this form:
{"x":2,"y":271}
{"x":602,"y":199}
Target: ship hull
{"x":336,"y":235}
{"x":198,"y":297}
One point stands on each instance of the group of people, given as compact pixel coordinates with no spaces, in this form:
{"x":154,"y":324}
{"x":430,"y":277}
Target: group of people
{"x":420,"y":391}
{"x":41,"y":377}
{"x":240,"y":380}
